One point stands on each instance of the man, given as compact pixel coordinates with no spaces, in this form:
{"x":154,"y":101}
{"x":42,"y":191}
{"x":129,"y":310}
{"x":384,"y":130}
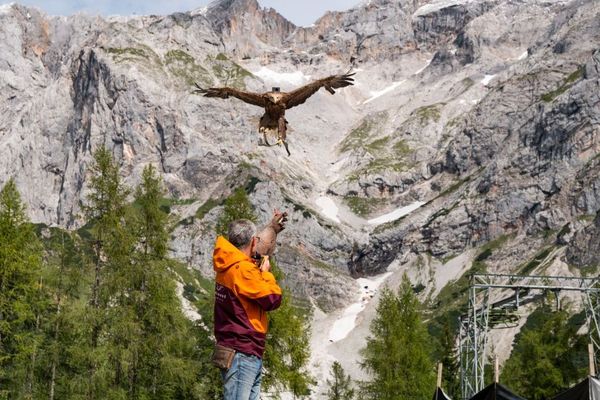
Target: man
{"x":243,"y":294}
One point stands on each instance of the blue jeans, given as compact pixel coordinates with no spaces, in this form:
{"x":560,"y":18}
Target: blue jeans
{"x":242,"y":380}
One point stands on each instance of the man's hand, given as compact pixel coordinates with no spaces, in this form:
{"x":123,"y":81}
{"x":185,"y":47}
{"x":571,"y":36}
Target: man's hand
{"x":265,"y":264}
{"x":278,"y":221}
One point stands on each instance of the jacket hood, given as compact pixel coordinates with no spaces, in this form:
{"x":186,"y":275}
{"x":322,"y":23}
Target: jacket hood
{"x":226,"y":254}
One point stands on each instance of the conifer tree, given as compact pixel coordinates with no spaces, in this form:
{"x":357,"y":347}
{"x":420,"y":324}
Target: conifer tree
{"x":396,"y":354}
{"x":20,"y":297}
{"x":547,"y":357}
{"x":64,"y":272}
{"x":160,"y":360}
{"x":112,"y":247}
{"x":140,"y":344}
{"x":237,"y":206}
{"x":340,"y":385}
{"x":450,"y":373}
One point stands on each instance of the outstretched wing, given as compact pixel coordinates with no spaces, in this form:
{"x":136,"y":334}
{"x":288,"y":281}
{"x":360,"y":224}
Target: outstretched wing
{"x":299,"y":96}
{"x":224,"y":93}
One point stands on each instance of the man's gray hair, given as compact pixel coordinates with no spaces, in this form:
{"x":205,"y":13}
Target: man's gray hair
{"x":241,"y":232}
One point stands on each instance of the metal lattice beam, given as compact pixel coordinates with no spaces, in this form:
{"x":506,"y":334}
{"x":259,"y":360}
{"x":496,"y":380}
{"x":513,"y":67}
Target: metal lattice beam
{"x":475,"y":325}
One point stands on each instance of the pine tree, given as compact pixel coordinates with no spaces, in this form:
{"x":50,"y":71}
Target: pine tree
{"x":340,"y":387}
{"x":140,"y":344}
{"x":396,"y":354}
{"x":64,"y":273}
{"x":450,"y":373}
{"x":21,"y":298}
{"x":112,"y":247}
{"x":160,"y":359}
{"x":237,"y":206}
{"x":547,"y":357}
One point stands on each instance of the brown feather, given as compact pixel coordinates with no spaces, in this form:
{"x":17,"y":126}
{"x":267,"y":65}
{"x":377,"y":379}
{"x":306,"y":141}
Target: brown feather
{"x":224,"y":93}
{"x":300,"y":95}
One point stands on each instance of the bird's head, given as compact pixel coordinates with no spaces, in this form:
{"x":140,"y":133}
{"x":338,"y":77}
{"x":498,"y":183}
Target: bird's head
{"x":275,"y":94}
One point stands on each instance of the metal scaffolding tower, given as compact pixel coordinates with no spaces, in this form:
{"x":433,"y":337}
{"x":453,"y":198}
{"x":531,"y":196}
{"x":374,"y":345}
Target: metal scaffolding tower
{"x":484,"y":315}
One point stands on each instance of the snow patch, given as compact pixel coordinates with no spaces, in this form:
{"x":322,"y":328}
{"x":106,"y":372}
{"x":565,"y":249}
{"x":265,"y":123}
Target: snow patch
{"x":328,"y":208}
{"x":436,"y":6}
{"x":425,"y":66}
{"x":398,"y":213}
{"x":343,"y":326}
{"x":200,"y":11}
{"x":5,"y":8}
{"x":380,"y":93}
{"x":523,"y":56}
{"x":346,"y":323}
{"x":294,"y":78}
{"x":487,"y":79}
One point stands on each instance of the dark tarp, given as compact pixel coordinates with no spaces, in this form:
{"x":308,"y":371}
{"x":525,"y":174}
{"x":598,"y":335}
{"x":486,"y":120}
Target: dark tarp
{"x":496,"y":391}
{"x":440,"y":395}
{"x":589,"y":389}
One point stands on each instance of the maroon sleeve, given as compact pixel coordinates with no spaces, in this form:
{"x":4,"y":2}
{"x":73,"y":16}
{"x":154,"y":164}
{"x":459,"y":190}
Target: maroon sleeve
{"x":270,"y":302}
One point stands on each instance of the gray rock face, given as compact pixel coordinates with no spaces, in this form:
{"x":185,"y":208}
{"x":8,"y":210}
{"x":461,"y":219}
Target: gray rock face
{"x":379,"y":30}
{"x":246,"y":29}
{"x":523,"y":157}
{"x":439,"y":24}
{"x":584,"y":249}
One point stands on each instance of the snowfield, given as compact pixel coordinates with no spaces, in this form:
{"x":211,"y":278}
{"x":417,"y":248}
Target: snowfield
{"x":487,"y":79}
{"x":330,"y":331}
{"x":379,"y":93}
{"x":296,"y":78}
{"x":5,"y":8}
{"x":328,"y":208}
{"x":423,"y":68}
{"x":396,"y":214}
{"x":346,"y":323}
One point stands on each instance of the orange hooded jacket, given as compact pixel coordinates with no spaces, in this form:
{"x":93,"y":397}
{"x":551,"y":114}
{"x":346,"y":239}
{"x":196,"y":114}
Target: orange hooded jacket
{"x":243,"y":294}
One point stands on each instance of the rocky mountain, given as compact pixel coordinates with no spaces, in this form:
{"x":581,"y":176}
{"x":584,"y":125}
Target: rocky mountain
{"x":471,"y":124}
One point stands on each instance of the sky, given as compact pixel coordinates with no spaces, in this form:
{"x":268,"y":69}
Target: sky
{"x":301,"y":13}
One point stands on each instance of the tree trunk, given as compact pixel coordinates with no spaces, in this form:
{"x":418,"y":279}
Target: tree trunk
{"x":95,"y":306}
{"x":57,"y":322}
{"x":96,"y":295}
{"x":55,"y":355}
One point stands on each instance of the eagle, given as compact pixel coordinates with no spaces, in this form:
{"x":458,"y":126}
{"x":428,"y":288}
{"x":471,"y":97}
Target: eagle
{"x":276,"y":102}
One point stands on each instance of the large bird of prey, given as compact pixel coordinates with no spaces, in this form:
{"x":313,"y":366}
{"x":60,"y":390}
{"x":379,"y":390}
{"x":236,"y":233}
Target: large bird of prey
{"x":276,"y":102}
